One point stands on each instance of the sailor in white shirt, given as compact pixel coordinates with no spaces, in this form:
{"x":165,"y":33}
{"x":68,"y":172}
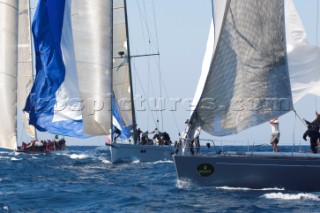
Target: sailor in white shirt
{"x":275,"y":136}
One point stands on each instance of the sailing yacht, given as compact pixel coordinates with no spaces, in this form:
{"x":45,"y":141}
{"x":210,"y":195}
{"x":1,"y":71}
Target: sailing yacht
{"x":258,"y":63}
{"x":124,"y":116}
{"x":17,"y":76}
{"x":83,"y":73}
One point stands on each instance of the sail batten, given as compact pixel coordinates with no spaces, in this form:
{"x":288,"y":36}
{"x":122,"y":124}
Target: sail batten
{"x":248,"y":79}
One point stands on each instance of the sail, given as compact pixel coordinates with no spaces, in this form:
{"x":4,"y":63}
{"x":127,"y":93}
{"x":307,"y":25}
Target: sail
{"x":71,"y":93}
{"x":303,"y":58}
{"x":205,"y":66}
{"x":118,"y":121}
{"x":8,"y":71}
{"x":248,"y":79}
{"x":121,"y":73}
{"x":25,"y":78}
{"x":54,"y":93}
{"x":92,"y":35}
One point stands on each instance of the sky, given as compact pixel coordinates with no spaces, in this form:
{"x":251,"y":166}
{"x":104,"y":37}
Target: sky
{"x":178,"y":30}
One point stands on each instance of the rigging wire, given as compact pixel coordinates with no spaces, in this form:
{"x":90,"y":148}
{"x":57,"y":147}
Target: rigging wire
{"x":302,"y":120}
{"x":148,"y":36}
{"x":317,"y":29}
{"x":159,"y":64}
{"x":317,"y":22}
{"x":143,"y":91}
{"x":152,"y":46}
{"x":294,"y":128}
{"x":144,"y":38}
{"x":174,"y":116}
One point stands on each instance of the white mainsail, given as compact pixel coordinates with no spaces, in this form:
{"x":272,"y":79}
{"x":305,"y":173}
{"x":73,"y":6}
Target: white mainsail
{"x":245,"y":56}
{"x":25,"y":71}
{"x":121,"y":73}
{"x":92,"y":38}
{"x":8,"y":71}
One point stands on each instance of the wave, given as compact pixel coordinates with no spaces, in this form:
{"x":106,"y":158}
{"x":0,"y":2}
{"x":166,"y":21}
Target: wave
{"x":248,"y":189}
{"x":15,"y":159}
{"x":104,"y":160}
{"x":135,"y":161}
{"x":79,"y":156}
{"x":184,"y":184}
{"x":73,"y":155}
{"x":299,"y":196}
{"x":5,"y":208}
{"x":163,"y":161}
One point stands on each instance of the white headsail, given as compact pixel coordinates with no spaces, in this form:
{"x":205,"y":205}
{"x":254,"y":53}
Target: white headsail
{"x":303,"y":58}
{"x":92,"y":35}
{"x":248,"y":79}
{"x":8,"y":71}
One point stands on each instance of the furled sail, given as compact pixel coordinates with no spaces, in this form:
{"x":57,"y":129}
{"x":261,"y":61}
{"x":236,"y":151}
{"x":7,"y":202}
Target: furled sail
{"x":121,"y":73}
{"x":92,"y":34}
{"x":8,"y":71}
{"x":248,"y":79}
{"x":25,"y":75}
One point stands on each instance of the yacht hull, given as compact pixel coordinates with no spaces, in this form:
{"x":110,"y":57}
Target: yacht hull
{"x":143,"y":153}
{"x":290,"y":173}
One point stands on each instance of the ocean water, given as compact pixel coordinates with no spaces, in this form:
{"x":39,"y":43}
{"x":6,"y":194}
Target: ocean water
{"x":82,"y":179}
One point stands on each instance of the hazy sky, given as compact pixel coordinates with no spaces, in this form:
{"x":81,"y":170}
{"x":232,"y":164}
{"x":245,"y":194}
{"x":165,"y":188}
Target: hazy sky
{"x":182,"y":27}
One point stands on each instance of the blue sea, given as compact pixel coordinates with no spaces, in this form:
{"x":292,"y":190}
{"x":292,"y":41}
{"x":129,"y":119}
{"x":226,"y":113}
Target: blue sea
{"x":82,"y":179}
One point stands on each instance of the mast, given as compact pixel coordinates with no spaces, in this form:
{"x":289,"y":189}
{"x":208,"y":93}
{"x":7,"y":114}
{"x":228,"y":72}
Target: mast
{"x":112,"y":96}
{"x":134,"y":124}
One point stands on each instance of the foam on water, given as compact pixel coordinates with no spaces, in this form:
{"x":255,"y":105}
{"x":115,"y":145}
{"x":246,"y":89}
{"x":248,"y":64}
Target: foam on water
{"x":15,"y":159}
{"x":183,"y":184}
{"x":299,"y":196}
{"x":162,"y":162}
{"x":104,"y":160}
{"x":79,"y":156}
{"x":248,"y":189}
{"x":135,"y":161}
{"x":6,"y":208}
